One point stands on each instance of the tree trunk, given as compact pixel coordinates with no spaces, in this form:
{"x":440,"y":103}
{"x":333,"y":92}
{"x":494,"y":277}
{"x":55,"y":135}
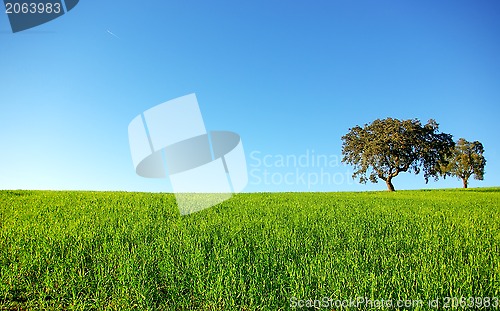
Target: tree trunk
{"x":464,"y":180}
{"x":390,"y":186}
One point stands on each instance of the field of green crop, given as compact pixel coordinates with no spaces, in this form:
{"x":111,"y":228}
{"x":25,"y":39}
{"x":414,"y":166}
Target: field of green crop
{"x":120,"y":251}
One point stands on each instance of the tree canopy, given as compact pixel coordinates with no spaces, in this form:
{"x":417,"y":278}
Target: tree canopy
{"x":466,"y":160}
{"x":387,"y":147}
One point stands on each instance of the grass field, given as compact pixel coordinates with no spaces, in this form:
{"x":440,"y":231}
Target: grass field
{"x":120,"y":251}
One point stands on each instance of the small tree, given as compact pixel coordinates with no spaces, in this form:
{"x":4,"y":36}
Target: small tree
{"x":467,"y":160}
{"x":385,"y":148}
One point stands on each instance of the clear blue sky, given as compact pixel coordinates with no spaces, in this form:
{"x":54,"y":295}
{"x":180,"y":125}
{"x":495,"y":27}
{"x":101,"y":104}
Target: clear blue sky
{"x":289,"y":76}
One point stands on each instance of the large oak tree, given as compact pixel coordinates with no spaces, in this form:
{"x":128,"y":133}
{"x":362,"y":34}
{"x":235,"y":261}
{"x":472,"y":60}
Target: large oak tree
{"x":385,"y":148}
{"x":467,"y":160}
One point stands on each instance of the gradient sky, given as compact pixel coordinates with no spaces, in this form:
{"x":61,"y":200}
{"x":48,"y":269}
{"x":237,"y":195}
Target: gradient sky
{"x":291,"y":77}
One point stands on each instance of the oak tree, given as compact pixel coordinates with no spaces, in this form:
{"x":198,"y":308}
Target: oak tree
{"x":467,"y":160}
{"x":385,"y":148}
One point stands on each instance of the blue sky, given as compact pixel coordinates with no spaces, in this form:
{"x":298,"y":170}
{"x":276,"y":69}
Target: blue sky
{"x":289,"y":77}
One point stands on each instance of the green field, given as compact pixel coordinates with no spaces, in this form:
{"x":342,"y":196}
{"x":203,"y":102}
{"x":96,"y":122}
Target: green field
{"x":118,"y":251}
